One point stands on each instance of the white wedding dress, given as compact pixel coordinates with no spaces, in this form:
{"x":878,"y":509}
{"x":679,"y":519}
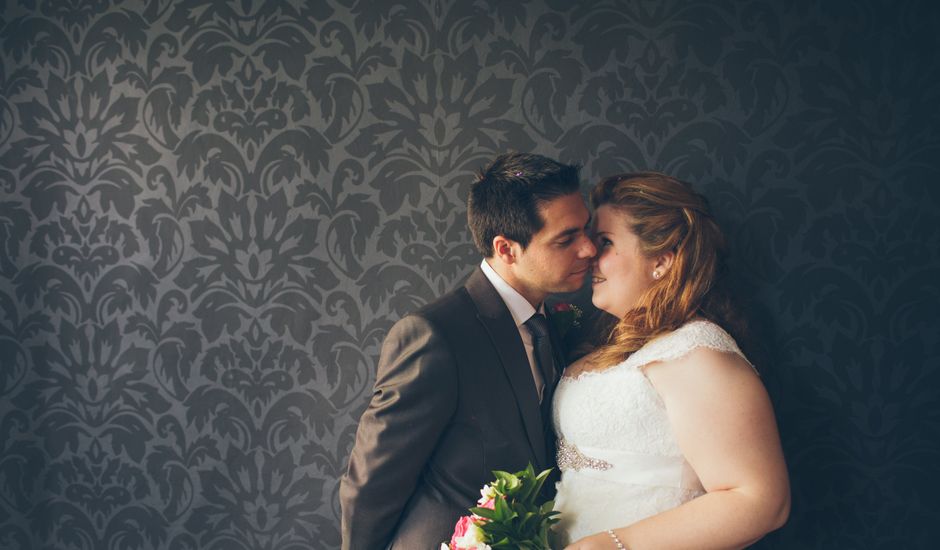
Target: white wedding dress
{"x":618,"y":457}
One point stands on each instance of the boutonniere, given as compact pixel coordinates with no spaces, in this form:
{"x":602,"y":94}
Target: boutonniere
{"x":565,"y":317}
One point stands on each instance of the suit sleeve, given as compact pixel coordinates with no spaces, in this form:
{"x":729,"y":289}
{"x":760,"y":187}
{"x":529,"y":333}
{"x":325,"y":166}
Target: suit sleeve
{"x":413,"y":400}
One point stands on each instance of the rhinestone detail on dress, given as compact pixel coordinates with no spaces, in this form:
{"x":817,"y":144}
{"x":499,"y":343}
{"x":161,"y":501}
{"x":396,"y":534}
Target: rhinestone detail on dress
{"x":570,"y":458}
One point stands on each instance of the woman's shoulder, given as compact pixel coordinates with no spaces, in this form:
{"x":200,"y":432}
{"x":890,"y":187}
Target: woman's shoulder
{"x":698,"y":335}
{"x":699,"y":357}
{"x":701,"y":332}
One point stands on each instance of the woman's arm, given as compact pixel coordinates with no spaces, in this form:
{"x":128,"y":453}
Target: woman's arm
{"x":724,"y":424}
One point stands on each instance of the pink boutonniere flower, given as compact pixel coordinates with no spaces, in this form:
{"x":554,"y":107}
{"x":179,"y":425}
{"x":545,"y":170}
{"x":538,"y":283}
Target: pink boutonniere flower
{"x":565,"y":317}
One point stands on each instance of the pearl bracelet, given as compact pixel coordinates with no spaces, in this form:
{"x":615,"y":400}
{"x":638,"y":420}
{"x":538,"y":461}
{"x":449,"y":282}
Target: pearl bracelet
{"x":619,"y":544}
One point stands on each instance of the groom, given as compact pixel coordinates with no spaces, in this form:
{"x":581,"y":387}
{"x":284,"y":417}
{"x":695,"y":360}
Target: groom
{"x":464,"y":384}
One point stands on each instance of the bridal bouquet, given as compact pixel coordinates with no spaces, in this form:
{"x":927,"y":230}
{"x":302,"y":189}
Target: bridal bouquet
{"x":508,"y":515}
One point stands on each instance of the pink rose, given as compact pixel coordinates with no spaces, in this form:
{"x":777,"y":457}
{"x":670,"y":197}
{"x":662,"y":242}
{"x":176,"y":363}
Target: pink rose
{"x":460,"y":530}
{"x":562,"y":306}
{"x":467,"y":535}
{"x":491,"y":504}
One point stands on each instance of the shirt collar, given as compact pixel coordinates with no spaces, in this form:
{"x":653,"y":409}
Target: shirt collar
{"x":520,"y":308}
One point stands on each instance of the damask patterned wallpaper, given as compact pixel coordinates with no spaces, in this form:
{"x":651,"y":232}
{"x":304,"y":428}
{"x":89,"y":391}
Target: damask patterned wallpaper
{"x":212,"y":212}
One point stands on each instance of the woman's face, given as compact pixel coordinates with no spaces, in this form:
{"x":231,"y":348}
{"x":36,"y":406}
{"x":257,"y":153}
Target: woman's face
{"x":621,"y":274}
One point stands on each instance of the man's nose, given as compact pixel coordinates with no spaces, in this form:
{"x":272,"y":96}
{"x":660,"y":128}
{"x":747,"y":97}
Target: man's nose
{"x":587,"y":250}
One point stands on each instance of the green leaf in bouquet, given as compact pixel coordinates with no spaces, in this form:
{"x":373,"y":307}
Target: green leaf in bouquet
{"x":544,"y":474}
{"x":506,"y":483}
{"x":484,"y":512}
{"x":529,"y":523}
{"x":518,"y":520}
{"x":525,"y":491}
{"x":503,"y":543}
{"x":503,"y":511}
{"x":533,"y":484}
{"x":540,"y":479}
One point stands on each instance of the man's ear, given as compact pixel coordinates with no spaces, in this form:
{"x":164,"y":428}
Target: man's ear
{"x":505,"y":249}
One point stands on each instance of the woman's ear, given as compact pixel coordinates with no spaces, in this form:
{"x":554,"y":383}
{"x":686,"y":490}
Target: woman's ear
{"x":664,"y":262}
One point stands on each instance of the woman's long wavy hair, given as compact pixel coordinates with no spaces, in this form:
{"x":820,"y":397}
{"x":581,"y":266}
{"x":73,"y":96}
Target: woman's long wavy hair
{"x":667,"y":215}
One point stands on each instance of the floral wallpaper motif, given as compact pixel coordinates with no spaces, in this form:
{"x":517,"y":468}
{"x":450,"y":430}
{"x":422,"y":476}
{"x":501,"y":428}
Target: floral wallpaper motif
{"x":212,"y":212}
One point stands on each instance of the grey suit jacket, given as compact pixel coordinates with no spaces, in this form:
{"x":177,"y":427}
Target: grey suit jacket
{"x":454,"y":399}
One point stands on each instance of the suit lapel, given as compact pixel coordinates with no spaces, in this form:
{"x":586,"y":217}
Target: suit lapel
{"x":498,"y":322}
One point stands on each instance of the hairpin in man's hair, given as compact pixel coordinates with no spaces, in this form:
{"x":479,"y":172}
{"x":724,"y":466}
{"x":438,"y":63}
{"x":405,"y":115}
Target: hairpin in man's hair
{"x":518,"y":174}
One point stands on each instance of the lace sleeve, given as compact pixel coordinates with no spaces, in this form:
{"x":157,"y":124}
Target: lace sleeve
{"x":681,"y":342}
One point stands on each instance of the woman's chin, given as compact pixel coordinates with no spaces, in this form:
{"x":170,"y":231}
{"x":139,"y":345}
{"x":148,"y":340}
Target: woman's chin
{"x":599,"y":304}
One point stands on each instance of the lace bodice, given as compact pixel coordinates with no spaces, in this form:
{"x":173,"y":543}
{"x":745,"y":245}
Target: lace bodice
{"x":633,"y":414}
{"x":619,"y":458}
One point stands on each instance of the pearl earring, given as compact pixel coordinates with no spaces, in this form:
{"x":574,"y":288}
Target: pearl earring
{"x":656,"y":274}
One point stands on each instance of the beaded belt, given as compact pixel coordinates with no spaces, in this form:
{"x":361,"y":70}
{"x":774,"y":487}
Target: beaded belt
{"x":626,"y":467}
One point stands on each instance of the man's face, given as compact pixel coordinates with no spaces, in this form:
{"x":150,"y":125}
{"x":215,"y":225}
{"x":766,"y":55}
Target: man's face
{"x":559,"y":255}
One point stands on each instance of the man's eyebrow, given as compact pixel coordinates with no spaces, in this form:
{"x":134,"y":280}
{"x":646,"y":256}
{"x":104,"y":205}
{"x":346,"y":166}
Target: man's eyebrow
{"x":572,"y":231}
{"x":567,"y":233}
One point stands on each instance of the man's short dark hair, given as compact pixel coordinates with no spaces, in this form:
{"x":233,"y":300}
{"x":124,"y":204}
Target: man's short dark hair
{"x":507,"y":194}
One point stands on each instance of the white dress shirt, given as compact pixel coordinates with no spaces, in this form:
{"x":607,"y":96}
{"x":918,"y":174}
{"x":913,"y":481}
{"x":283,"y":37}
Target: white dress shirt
{"x":521,"y":310}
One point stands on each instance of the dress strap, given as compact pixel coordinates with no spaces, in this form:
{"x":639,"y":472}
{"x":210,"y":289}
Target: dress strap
{"x":682,"y":341}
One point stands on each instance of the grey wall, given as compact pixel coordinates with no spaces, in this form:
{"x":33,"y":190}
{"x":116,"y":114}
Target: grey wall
{"x":211,"y":212}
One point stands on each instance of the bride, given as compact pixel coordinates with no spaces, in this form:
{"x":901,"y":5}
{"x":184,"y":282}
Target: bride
{"x":666,"y":436}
